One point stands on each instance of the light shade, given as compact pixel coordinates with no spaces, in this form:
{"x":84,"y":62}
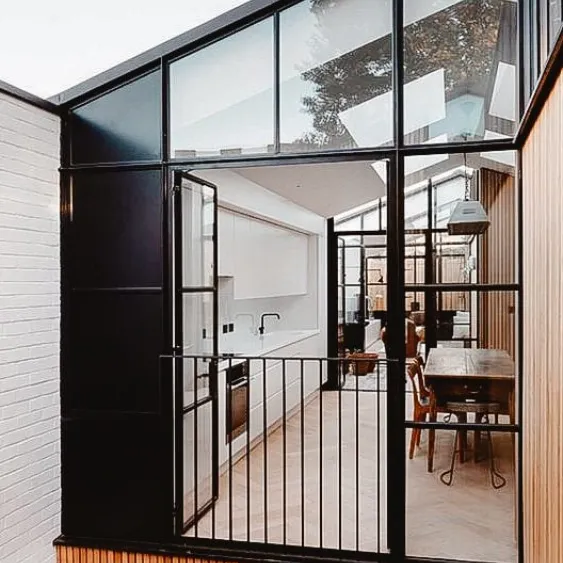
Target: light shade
{"x":468,"y":218}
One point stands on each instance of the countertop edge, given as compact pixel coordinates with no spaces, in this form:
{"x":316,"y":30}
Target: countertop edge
{"x":264,"y":352}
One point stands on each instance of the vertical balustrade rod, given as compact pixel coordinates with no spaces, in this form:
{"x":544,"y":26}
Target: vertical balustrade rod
{"x":196,"y":492}
{"x":378,"y":470}
{"x":321,"y":453}
{"x":302,"y":459}
{"x":284,"y":451}
{"x":215,"y":487}
{"x":230,"y":415}
{"x":340,"y":462}
{"x":248,"y":427}
{"x":357,"y":460}
{"x":265,"y":444}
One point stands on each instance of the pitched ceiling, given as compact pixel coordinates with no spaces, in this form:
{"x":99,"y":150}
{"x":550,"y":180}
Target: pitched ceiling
{"x":326,"y":189}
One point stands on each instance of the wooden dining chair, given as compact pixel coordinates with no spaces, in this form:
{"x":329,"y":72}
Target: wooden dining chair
{"x":424,"y":406}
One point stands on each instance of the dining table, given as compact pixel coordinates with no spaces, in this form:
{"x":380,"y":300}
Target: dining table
{"x":462,"y":374}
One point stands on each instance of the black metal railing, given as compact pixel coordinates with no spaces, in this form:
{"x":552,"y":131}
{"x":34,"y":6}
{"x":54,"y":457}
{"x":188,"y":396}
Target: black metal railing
{"x":274,"y":451}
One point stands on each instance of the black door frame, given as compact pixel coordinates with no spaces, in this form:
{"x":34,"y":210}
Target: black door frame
{"x":181,"y":523}
{"x":396,"y":431}
{"x":398,"y":426}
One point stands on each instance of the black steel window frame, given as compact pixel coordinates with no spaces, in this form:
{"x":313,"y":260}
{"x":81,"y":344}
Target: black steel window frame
{"x":397,"y":424}
{"x":539,"y":43}
{"x":397,"y":92}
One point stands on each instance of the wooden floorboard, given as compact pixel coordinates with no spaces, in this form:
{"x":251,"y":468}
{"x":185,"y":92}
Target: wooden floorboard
{"x":469,"y":520}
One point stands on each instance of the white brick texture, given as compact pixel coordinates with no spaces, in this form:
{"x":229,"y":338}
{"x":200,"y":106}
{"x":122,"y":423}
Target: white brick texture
{"x":30,"y":490}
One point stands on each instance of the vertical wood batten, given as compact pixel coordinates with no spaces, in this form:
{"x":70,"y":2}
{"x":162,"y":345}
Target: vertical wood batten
{"x":543,"y":347}
{"x":497,"y":261}
{"x":68,"y":554}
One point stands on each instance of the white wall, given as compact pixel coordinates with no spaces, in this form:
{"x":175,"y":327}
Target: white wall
{"x":29,"y":333}
{"x":239,"y":194}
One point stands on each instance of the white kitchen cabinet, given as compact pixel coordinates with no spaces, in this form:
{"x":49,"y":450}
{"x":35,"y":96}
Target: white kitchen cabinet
{"x":273,"y":377}
{"x":308,"y":347}
{"x":226,"y":236}
{"x":269,"y":261}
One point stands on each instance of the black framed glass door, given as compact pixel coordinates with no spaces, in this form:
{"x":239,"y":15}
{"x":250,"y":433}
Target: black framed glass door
{"x":195,"y":335}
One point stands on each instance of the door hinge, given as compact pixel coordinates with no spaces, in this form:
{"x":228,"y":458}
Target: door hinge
{"x":175,"y":518}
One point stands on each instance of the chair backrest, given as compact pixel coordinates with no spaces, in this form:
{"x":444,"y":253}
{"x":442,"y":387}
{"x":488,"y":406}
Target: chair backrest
{"x":411,"y":339}
{"x":412,"y":373}
{"x":422,"y":389}
{"x":416,"y":377}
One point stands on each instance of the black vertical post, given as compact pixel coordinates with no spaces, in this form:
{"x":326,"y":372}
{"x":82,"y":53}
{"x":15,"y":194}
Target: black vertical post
{"x":214,"y":367}
{"x":430,"y":313}
{"x":277,"y":81}
{"x":332,"y":305}
{"x":396,"y":440}
{"x":168,"y":368}
{"x":523,"y":60}
{"x":175,"y":285}
{"x":520,"y":355}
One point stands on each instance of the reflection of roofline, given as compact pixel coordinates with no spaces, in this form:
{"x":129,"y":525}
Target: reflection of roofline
{"x":24,"y":96}
{"x":416,"y":189}
{"x":247,"y":13}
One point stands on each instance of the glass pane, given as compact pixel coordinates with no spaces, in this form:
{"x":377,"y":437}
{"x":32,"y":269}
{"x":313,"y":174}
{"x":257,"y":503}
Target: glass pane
{"x":195,"y":371}
{"x":198,"y":324}
{"x":554,"y":20}
{"x":198,"y":221}
{"x":352,"y":269}
{"x":376,"y":274}
{"x":109,"y":128}
{"x":414,"y":309}
{"x":460,"y":70}
{"x":468,"y":520}
{"x":489,"y":177}
{"x":469,"y":376}
{"x":352,"y":303}
{"x":372,"y":220}
{"x":336,"y":75}
{"x":197,"y":465}
{"x":353,"y":224}
{"x":221,"y":97}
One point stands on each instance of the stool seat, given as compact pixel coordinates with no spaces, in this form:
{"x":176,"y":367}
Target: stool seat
{"x":473,"y":406}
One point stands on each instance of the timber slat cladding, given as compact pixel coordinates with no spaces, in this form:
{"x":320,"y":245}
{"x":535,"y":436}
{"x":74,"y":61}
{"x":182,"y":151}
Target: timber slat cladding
{"x":497,"y":262}
{"x":66,"y":554}
{"x":542,"y":372}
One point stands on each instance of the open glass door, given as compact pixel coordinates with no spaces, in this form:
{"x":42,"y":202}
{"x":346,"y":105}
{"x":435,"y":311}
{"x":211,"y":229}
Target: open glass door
{"x":195,"y":335}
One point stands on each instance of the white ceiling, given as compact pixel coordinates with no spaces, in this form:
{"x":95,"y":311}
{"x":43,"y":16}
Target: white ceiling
{"x":326,"y":189}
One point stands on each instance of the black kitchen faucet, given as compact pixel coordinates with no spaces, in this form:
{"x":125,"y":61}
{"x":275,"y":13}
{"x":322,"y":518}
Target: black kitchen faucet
{"x":261,"y":327}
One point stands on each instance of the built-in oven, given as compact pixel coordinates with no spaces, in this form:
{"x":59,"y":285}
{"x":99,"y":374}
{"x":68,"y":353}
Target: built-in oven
{"x":237,"y":380}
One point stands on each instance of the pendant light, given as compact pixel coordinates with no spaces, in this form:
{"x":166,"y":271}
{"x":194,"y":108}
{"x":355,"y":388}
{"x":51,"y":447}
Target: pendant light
{"x":468,"y":216}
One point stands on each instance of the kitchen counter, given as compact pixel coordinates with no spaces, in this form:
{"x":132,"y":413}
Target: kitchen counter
{"x":257,"y":346}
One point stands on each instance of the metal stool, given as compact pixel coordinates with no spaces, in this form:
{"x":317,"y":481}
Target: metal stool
{"x":482,"y":412}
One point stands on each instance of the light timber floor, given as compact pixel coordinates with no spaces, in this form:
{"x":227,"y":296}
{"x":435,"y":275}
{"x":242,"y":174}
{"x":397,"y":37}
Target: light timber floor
{"x":469,"y":520}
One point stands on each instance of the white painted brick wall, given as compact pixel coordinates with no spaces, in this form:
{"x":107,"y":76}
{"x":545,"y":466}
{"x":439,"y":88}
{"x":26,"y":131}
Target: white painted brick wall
{"x":30,"y":493}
